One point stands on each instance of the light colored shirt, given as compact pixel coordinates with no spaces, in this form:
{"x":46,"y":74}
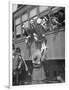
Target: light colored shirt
{"x":43,"y":51}
{"x":44,"y":47}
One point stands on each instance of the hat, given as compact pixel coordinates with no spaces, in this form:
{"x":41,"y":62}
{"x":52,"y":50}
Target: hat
{"x":18,"y":50}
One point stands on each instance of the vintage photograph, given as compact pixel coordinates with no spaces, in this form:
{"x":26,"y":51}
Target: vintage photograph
{"x":38,"y":44}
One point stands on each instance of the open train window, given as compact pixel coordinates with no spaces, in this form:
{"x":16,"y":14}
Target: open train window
{"x":25,"y":28}
{"x":60,"y":14}
{"x":58,"y":18}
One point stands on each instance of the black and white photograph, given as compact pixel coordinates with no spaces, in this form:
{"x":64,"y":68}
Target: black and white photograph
{"x":38,"y":44}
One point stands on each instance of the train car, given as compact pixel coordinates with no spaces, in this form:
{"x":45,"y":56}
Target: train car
{"x":54,"y":65}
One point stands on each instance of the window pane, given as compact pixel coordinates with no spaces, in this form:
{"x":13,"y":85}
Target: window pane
{"x":17,"y":21}
{"x":26,"y":24}
{"x":33,"y":12}
{"x":24,"y":17}
{"x":42,"y":8}
{"x":18,"y":30}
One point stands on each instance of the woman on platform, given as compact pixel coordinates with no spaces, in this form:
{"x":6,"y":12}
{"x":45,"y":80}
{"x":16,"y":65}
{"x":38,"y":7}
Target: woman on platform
{"x":38,"y":74}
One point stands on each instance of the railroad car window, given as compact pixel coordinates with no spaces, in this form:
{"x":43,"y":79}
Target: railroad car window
{"x":24,"y":17}
{"x":59,"y":17}
{"x":26,"y":24}
{"x":42,"y":8}
{"x":18,"y":31}
{"x":17,"y":21}
{"x":33,"y":12}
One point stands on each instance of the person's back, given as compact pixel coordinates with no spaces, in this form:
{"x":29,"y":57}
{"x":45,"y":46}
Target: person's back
{"x":36,"y":57}
{"x":38,"y":71}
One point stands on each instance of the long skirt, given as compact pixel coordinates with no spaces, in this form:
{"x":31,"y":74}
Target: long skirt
{"x":38,"y":74}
